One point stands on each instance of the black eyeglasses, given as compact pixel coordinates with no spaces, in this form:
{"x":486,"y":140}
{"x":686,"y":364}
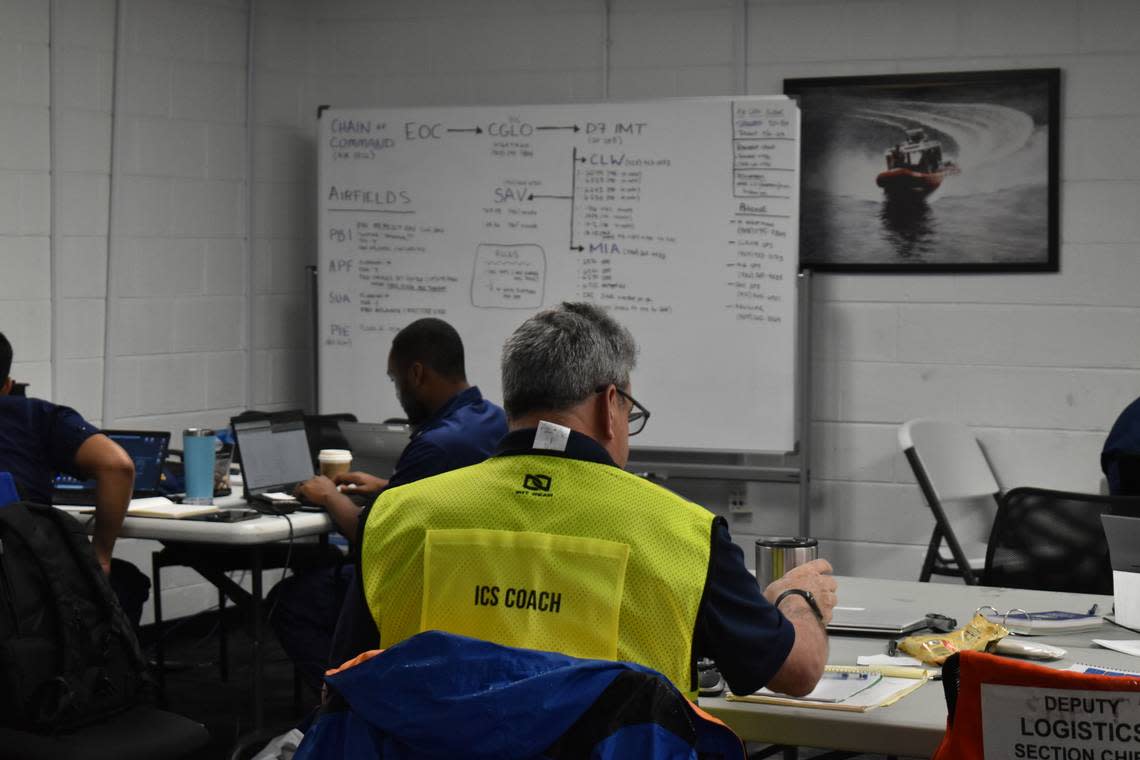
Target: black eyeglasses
{"x":638,"y":414}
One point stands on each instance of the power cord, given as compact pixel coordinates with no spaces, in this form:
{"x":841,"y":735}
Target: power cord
{"x":284,"y":568}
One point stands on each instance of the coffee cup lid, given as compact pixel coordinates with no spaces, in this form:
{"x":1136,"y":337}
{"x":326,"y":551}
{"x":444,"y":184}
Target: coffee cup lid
{"x":334,"y":455}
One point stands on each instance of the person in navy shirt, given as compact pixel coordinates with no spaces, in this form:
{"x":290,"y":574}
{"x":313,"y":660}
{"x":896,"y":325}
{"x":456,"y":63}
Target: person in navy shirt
{"x":39,"y":439}
{"x":453,"y":427}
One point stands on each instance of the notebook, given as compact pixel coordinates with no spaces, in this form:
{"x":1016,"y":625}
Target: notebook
{"x":148,"y":449}
{"x":274,"y":455}
{"x":878,"y":689}
{"x":375,"y":446}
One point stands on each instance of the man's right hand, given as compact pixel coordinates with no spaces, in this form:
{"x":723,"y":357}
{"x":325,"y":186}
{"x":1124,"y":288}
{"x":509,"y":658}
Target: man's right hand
{"x":360,"y":482}
{"x":316,"y":490}
{"x":814,"y":576}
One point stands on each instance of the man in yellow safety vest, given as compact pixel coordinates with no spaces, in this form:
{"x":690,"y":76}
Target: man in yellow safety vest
{"x":550,"y":545}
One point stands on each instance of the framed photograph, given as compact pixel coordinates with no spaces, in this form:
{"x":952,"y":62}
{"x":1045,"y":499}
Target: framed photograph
{"x":953,"y":172}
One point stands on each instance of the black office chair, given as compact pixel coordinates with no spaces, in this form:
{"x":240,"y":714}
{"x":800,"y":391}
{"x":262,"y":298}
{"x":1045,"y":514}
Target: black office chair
{"x":1053,"y":540}
{"x":140,"y":733}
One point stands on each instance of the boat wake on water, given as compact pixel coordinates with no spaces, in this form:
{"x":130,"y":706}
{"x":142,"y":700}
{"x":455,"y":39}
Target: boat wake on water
{"x":918,"y":146}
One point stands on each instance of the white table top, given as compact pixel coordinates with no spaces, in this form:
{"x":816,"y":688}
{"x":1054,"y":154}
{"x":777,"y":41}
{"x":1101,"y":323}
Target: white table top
{"x":260,"y":530}
{"x":913,"y":726}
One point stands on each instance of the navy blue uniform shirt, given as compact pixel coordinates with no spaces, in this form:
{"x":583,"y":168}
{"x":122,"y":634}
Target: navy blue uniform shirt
{"x":1123,"y":438}
{"x":736,"y":626}
{"x":463,"y":432}
{"x":37,"y":440}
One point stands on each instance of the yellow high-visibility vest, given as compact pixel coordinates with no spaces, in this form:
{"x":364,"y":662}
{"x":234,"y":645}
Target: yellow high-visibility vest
{"x":542,"y":552}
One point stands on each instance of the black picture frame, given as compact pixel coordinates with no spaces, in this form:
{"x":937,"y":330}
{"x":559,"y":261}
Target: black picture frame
{"x":967,"y":177}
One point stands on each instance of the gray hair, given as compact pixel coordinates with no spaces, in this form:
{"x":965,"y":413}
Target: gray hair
{"x":559,"y":357}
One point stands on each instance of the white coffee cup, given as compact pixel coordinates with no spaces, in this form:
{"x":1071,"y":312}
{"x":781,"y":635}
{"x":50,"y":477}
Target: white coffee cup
{"x":334,"y":461}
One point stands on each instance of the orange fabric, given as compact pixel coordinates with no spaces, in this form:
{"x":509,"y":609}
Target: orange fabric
{"x":963,"y":738}
{"x":362,"y":657}
{"x":710,"y":718}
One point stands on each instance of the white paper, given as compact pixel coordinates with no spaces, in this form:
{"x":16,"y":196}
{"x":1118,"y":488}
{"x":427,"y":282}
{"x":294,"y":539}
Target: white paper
{"x":901,"y":660}
{"x":551,"y":436}
{"x":1126,"y":594}
{"x":149,"y":502}
{"x":834,"y":687}
{"x":1129,"y":646}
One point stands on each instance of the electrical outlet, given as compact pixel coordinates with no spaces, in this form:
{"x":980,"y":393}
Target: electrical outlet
{"x":738,"y":503}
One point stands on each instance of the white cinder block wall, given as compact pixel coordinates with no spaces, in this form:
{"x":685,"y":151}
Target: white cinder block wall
{"x":1039,"y":364}
{"x":178,"y":306}
{"x":25,"y":201}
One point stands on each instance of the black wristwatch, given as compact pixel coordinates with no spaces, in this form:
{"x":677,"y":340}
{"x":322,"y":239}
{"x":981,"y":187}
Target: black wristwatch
{"x":808,"y":596}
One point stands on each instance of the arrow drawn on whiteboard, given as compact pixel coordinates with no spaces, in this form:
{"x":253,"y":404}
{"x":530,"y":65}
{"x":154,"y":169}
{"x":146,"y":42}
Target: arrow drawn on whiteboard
{"x":573,"y":127}
{"x":573,"y":181}
{"x":476,"y":130}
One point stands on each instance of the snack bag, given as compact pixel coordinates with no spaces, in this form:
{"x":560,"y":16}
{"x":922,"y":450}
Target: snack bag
{"x":933,"y":648}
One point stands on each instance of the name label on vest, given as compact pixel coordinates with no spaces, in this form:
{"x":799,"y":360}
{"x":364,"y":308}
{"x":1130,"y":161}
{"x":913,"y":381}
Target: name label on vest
{"x":525,"y":589}
{"x":1060,"y":724}
{"x":519,"y":598}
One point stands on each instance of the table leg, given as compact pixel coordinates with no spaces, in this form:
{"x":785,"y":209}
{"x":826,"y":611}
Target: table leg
{"x":258,"y":654}
{"x":159,"y":646}
{"x":223,"y":649}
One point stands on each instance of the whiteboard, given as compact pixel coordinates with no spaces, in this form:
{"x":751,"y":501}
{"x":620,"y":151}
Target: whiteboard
{"x":679,"y":216}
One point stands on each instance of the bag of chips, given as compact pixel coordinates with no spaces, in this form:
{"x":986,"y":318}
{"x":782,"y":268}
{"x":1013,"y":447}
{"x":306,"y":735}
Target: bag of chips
{"x":933,"y":648}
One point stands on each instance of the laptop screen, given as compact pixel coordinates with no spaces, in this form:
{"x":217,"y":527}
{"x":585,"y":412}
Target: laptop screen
{"x":375,"y":447}
{"x":147,"y":448}
{"x":1123,"y":536}
{"x":273,"y":453}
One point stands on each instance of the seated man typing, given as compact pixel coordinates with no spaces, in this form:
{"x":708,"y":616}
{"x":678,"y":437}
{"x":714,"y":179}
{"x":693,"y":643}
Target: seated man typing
{"x":453,"y":426}
{"x":549,"y":544}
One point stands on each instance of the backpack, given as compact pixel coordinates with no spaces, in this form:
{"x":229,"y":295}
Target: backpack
{"x":68,"y":654}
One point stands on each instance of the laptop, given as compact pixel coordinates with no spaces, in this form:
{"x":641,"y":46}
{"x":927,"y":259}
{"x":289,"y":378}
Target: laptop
{"x":148,"y":449}
{"x":1123,"y":536}
{"x":880,"y":621}
{"x":375,"y":446}
{"x":274,"y":456}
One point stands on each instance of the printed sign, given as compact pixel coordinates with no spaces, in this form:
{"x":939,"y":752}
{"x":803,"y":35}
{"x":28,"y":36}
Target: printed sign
{"x":1059,"y":724}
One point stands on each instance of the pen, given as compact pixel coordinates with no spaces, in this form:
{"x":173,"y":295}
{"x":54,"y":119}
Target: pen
{"x":842,"y":676}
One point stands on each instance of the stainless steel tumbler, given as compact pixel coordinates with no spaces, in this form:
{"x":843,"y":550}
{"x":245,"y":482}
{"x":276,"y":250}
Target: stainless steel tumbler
{"x":776,"y":555}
